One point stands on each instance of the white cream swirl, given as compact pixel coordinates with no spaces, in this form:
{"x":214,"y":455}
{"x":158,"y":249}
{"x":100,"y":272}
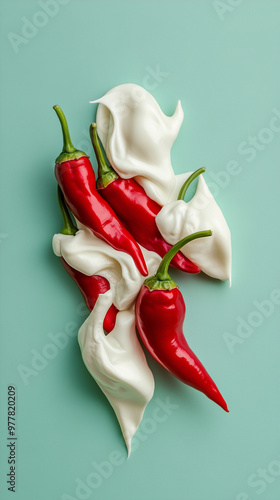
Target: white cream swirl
{"x":90,"y":255}
{"x":137,"y":137}
{"x":178,"y":219}
{"x":118,"y":364}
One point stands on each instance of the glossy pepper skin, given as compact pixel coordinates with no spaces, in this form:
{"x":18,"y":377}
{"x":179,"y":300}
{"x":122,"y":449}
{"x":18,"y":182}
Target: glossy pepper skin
{"x":90,"y":286}
{"x":135,"y":209}
{"x":76,"y":179}
{"x":160,"y":313}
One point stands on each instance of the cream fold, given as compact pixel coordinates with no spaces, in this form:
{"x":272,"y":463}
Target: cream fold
{"x":137,"y":137}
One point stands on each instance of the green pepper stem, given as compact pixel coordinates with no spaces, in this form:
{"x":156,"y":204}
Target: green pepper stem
{"x":67,"y":143}
{"x":162,"y":272}
{"x":103,"y":168}
{"x":68,"y":225}
{"x":183,"y":190}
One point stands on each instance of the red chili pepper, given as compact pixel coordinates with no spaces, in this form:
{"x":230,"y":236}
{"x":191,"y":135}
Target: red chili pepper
{"x":76,"y":179}
{"x":135,"y":209}
{"x":90,"y":286}
{"x":160,"y":312}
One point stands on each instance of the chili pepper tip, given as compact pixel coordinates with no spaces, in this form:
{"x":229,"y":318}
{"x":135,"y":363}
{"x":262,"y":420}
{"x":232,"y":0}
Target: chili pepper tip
{"x":223,"y":405}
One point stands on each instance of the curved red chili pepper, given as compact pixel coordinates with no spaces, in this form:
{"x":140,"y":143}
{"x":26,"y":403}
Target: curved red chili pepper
{"x":160,"y":312}
{"x":76,"y":179}
{"x":90,"y":286}
{"x":135,"y":209}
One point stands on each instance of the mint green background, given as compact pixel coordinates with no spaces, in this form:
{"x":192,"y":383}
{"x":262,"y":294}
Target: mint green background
{"x":226,"y":73}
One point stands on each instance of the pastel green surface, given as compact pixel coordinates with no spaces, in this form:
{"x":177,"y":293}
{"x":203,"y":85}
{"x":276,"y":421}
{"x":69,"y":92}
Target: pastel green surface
{"x":222,"y":60}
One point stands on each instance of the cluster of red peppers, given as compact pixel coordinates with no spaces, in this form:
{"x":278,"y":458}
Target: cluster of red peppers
{"x":119,"y":211}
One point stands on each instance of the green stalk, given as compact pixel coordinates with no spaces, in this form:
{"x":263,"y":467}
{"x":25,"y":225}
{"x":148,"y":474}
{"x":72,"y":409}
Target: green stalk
{"x":106,"y":174}
{"x":68,"y":225}
{"x":183,"y":190}
{"x":67,"y":143}
{"x":68,"y":150}
{"x":161,"y":280}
